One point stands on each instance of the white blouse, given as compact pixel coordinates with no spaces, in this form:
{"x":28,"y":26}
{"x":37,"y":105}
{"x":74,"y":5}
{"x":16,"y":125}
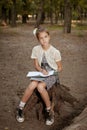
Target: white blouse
{"x":52,"y":55}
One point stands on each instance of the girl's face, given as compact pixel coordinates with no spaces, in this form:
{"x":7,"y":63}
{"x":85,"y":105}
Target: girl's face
{"x":44,"y":38}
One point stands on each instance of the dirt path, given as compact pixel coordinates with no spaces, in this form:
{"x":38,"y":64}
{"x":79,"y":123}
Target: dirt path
{"x":15,"y":49}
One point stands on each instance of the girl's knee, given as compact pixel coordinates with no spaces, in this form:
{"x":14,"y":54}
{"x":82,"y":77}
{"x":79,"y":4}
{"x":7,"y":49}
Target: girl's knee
{"x":40,"y":88}
{"x":32,"y":85}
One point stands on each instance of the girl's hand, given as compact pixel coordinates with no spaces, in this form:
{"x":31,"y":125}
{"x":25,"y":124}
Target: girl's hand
{"x":44,"y":72}
{"x":59,"y":66}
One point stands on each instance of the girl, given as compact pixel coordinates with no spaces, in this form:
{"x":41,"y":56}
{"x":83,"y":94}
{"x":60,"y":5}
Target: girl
{"x":46,"y":58}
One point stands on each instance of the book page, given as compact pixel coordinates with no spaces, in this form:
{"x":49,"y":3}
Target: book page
{"x":37,"y":73}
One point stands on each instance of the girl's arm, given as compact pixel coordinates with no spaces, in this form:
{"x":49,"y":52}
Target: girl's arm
{"x":38,"y":67}
{"x":59,"y":64}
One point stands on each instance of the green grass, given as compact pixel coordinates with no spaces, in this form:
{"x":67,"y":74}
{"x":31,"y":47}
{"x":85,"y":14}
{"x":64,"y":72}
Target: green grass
{"x":55,"y":27}
{"x":78,"y":27}
{"x":81,"y":27}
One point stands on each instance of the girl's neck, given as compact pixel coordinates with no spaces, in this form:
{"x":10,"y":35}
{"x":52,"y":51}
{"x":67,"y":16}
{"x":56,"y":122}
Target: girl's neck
{"x":46,"y":47}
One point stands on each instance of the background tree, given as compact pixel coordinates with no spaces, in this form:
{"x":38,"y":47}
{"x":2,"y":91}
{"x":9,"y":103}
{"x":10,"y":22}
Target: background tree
{"x":13,"y":13}
{"x":55,"y":10}
{"x":43,"y":10}
{"x":25,"y":11}
{"x":81,"y":9}
{"x":3,"y":11}
{"x":40,"y":13}
{"x":67,"y":16}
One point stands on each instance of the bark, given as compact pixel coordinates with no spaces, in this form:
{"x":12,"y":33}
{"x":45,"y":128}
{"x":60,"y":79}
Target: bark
{"x":40,"y":14}
{"x":9,"y":16}
{"x":51,"y":12}
{"x":4,"y":17}
{"x":56,"y":17}
{"x":24,"y":18}
{"x":58,"y":94}
{"x":67,"y":16}
{"x":79,"y":122}
{"x":13,"y":14}
{"x":25,"y":13}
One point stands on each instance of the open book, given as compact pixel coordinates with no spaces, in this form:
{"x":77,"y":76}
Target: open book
{"x":39,"y":74}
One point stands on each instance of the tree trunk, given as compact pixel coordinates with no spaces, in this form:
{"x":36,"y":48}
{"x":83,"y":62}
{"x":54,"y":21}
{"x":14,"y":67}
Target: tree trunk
{"x":67,"y":16}
{"x":56,"y":16}
{"x":4,"y":17}
{"x":51,"y":17}
{"x":24,"y":18}
{"x":51,"y":12}
{"x":58,"y":94}
{"x":9,"y":16}
{"x":13,"y":14}
{"x":40,"y":18}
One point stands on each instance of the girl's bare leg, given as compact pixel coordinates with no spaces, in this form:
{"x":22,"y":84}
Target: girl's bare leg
{"x":29,"y":90}
{"x":49,"y":113}
{"x":44,"y":94}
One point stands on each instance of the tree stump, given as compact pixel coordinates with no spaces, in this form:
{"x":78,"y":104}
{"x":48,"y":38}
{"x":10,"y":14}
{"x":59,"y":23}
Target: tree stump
{"x":58,"y":94}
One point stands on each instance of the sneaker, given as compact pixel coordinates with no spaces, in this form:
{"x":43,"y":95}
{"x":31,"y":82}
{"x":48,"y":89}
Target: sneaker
{"x":20,"y":116}
{"x":49,"y":117}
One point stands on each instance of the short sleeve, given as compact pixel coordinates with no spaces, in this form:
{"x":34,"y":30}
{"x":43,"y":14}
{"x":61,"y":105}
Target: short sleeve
{"x":57,"y":55}
{"x":34,"y":54}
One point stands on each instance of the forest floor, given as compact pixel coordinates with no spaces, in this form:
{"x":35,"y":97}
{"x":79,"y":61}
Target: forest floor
{"x":15,"y":49}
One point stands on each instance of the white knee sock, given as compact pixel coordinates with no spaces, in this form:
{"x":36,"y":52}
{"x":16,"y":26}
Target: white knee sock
{"x":21,"y":105}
